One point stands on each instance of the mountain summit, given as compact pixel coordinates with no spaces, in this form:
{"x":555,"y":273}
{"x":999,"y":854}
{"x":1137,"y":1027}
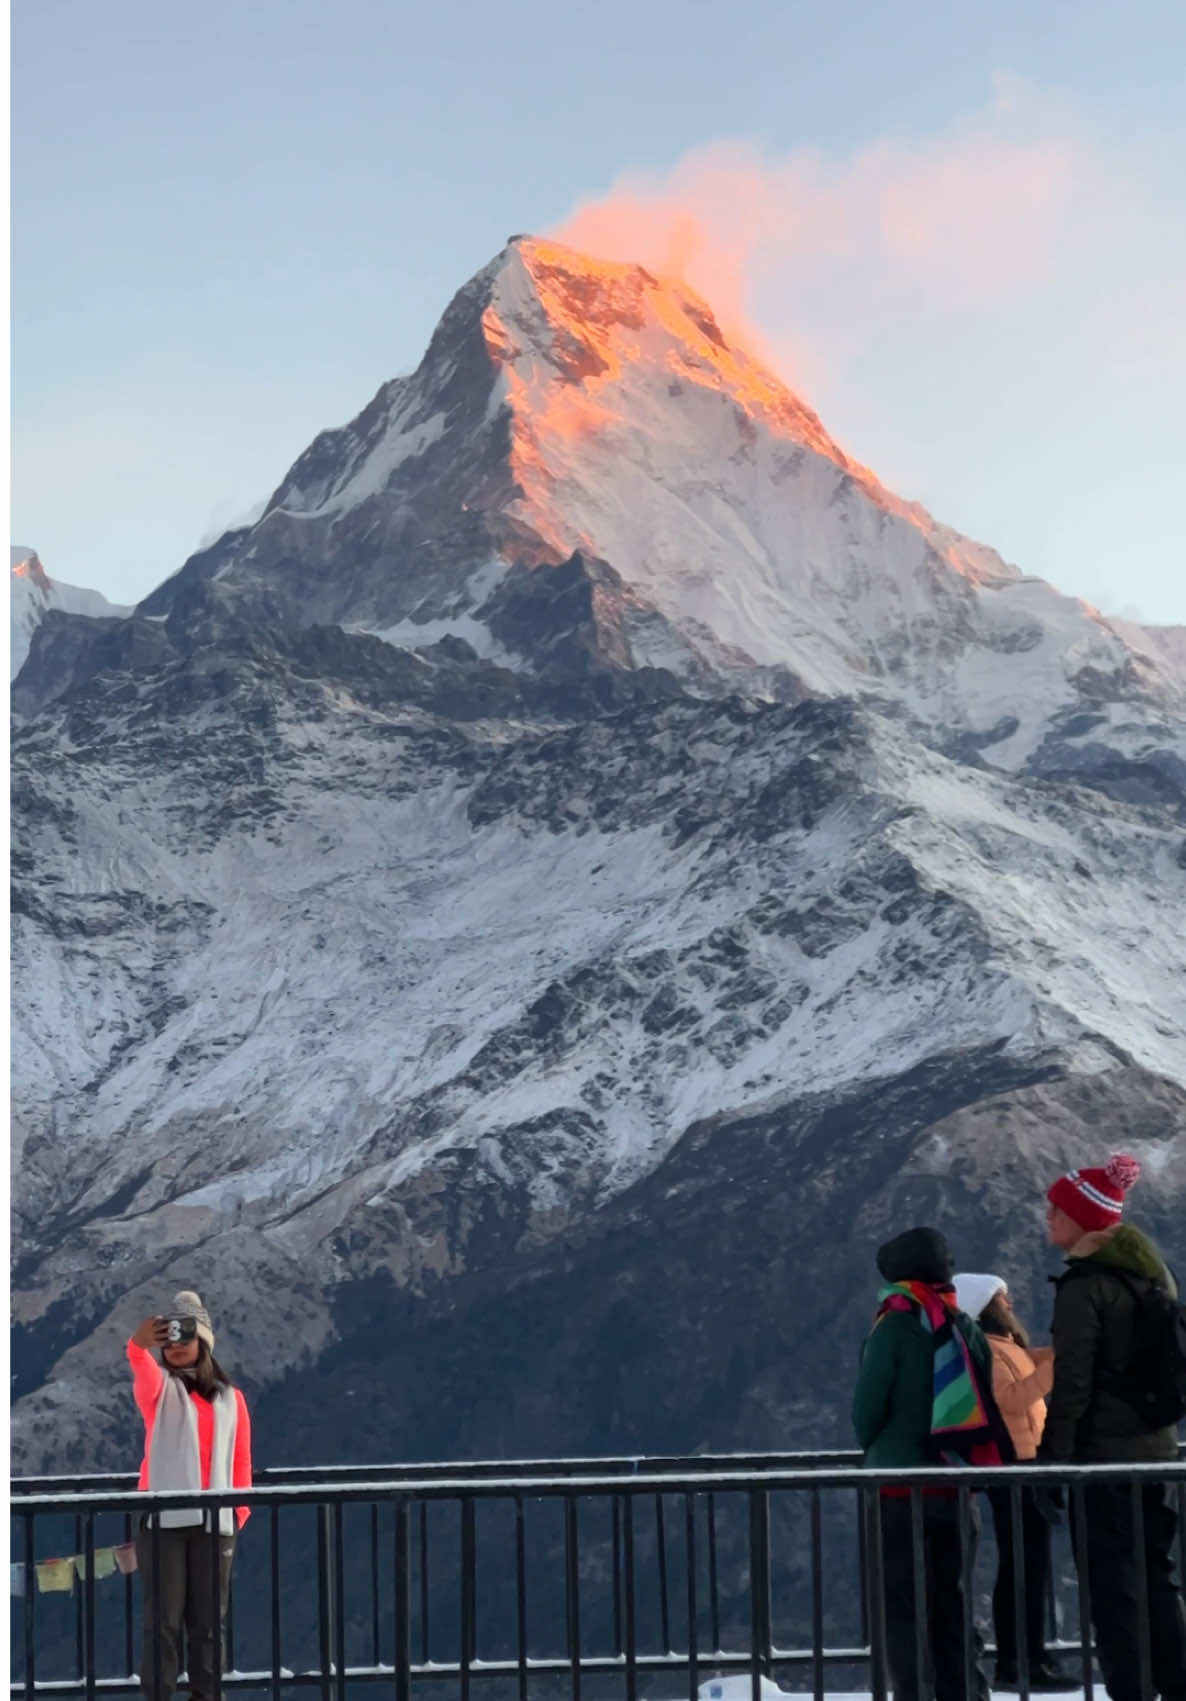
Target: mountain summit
{"x":583,"y":464}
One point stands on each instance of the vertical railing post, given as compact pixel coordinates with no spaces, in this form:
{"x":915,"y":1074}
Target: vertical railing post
{"x":155,"y":1566}
{"x":402,"y":1652}
{"x":274,"y":1601}
{"x":693,"y":1612}
{"x":714,"y":1596}
{"x":923,"y":1678}
{"x":339,"y":1579}
{"x":88,"y":1606}
{"x":468,"y":1592}
{"x":616,"y":1567}
{"x":212,"y":1519}
{"x":423,"y":1578}
{"x":875,"y":1553}
{"x":572,"y":1592}
{"x":863,"y":1632}
{"x":1020,"y":1592}
{"x":628,"y":1589}
{"x":1079,"y":1525}
{"x":375,"y":1647}
{"x":661,"y":1555}
{"x":759,"y":1572}
{"x":521,"y":1595}
{"x":325,"y":1599}
{"x":77,"y":1602}
{"x":29,"y":1609}
{"x":129,"y":1607}
{"x":1140,"y":1559}
{"x":967,"y":1531}
{"x":817,"y":1597}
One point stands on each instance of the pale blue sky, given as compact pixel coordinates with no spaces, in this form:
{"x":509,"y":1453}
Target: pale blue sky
{"x":233,"y":221}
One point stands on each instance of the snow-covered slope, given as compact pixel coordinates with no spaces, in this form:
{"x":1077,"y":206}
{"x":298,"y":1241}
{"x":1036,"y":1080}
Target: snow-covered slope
{"x":586,"y":842}
{"x":34,"y":592}
{"x":297,"y":958}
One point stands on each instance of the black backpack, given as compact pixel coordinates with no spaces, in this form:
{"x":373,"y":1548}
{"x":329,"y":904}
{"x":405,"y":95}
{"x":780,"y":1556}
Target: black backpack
{"x":1154,"y":1382}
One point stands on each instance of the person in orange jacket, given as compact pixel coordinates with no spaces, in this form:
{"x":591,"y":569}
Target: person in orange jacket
{"x":197,"y":1434}
{"x":1022,"y":1376}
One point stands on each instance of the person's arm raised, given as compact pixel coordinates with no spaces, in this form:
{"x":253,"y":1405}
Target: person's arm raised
{"x":147,"y":1375}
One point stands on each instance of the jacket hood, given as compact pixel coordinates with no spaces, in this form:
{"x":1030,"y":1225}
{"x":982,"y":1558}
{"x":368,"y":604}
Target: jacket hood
{"x":919,"y":1255}
{"x":1124,"y":1248}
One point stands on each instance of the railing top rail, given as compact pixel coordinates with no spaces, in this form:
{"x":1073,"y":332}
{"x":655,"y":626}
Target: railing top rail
{"x":390,"y":1470}
{"x":476,"y":1487}
{"x":390,"y":1473}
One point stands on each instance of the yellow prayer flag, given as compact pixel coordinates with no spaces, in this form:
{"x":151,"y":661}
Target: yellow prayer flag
{"x":55,"y":1576}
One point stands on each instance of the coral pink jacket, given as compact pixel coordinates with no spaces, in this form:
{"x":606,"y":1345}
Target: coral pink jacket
{"x":148,"y":1378}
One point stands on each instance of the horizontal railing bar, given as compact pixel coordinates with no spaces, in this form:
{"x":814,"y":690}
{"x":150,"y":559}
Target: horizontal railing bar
{"x":696,"y":1464}
{"x":597,"y":1664}
{"x":436,"y":1488}
{"x":594,"y":1464}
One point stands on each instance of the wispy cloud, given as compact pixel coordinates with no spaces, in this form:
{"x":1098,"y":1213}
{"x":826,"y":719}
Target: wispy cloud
{"x":989,"y":312}
{"x":814,"y":254}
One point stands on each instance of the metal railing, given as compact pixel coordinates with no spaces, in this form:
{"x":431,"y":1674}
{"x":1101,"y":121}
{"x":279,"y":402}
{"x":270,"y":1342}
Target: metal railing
{"x":573,"y":1578}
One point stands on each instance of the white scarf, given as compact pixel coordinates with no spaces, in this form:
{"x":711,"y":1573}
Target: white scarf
{"x":174,"y":1457}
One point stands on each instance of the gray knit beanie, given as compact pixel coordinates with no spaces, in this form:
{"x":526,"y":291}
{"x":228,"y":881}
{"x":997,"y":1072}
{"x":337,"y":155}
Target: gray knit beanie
{"x":187,"y":1304}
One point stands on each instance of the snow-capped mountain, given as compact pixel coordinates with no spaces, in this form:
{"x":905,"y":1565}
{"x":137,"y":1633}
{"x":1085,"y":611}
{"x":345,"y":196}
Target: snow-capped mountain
{"x":517,"y":922}
{"x":34,"y":593}
{"x":570,"y":405}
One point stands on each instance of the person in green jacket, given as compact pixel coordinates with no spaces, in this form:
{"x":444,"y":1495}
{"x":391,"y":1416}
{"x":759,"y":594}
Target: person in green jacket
{"x":900,"y":1422}
{"x":1092,"y":1419}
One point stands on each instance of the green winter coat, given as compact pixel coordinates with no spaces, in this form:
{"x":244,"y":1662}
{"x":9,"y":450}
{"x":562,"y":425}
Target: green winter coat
{"x":895,"y":1391}
{"x":1087,"y":1422}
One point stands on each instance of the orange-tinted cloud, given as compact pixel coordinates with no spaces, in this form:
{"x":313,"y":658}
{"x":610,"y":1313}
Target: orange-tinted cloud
{"x":965,"y":223}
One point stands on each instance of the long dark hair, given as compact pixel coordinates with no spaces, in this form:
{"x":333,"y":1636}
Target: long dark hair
{"x":207,"y":1375}
{"x":998,"y":1319}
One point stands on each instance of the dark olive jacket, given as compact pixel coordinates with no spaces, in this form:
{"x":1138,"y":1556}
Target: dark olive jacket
{"x":1094,"y":1330}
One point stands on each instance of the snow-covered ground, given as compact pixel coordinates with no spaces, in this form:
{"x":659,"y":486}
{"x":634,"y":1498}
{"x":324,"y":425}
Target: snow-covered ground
{"x":738,"y":1687}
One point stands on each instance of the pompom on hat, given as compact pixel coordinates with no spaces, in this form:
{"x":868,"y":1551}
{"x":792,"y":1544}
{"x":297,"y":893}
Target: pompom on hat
{"x":1094,"y":1198}
{"x":188,"y":1304}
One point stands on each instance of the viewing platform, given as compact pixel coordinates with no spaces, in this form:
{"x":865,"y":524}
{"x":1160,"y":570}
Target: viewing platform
{"x":542,"y":1580}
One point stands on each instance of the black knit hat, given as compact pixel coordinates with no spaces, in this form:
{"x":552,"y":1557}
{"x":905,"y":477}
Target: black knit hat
{"x":919,"y":1255}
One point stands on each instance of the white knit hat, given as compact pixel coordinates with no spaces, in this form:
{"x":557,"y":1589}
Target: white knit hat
{"x":188,"y":1304}
{"x":973,"y":1293}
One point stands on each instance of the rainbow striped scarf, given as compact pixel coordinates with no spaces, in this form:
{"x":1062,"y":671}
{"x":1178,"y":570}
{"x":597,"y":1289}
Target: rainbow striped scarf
{"x":966,"y":1427}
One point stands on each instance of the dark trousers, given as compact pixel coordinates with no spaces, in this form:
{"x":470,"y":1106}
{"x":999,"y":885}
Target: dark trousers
{"x":186,"y":1601}
{"x":944,"y":1602}
{"x":1116,"y":1604}
{"x":1035,"y":1551}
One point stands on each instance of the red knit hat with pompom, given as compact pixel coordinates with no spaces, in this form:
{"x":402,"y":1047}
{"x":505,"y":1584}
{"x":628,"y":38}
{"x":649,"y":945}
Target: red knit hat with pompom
{"x":1094,"y":1198}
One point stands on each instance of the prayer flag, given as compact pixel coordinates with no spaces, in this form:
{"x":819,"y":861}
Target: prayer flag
{"x":55,"y":1576}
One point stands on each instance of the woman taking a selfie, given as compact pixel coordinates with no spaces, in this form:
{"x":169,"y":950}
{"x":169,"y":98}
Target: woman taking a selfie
{"x":197,"y":1434}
